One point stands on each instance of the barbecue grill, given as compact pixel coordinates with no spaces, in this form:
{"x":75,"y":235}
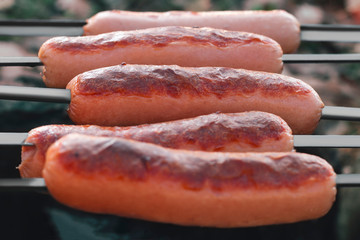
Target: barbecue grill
{"x":29,"y":212}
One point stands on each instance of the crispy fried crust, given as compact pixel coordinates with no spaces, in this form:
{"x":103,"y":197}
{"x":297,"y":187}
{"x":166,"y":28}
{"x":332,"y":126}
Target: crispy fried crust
{"x":277,"y":24}
{"x":65,"y":57}
{"x":136,"y":94}
{"x":141,"y":180}
{"x":232,"y":132}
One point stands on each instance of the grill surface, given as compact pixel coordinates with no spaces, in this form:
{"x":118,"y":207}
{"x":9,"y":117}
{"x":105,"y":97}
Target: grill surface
{"x":36,"y":215}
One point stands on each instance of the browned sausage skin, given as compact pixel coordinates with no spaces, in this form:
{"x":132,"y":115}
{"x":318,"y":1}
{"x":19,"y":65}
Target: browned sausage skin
{"x":232,"y":132}
{"x":145,"y":181}
{"x":137,"y":94}
{"x":65,"y":57}
{"x":277,"y":24}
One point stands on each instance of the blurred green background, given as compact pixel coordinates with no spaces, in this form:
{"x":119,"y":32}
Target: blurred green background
{"x":35,"y":215}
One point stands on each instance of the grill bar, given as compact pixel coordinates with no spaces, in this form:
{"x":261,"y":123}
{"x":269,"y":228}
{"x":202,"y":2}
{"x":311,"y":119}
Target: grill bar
{"x":20,"y":61}
{"x":34,"y":31}
{"x":30,"y":184}
{"x":64,"y":96}
{"x":330,"y":33}
{"x":35,"y":94}
{"x":22,"y":184}
{"x":341,"y":113}
{"x":348,"y":180}
{"x":308,"y":141}
{"x":14,"y":139}
{"x":327,"y":141}
{"x":321,"y":58}
{"x":42,"y":23}
{"x":34,"y":27}
{"x":287,"y":58}
{"x":329,"y":27}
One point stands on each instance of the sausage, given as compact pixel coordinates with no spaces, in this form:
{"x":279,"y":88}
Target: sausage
{"x":277,"y":24}
{"x":138,"y":94}
{"x":146,"y":181}
{"x":231,"y":132}
{"x":65,"y":57}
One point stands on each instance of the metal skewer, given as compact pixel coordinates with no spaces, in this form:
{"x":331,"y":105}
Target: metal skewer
{"x":28,"y":184}
{"x":64,"y":96}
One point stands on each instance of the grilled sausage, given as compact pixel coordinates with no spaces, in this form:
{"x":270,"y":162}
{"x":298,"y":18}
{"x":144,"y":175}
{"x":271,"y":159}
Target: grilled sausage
{"x":137,"y":94}
{"x":278,"y":24}
{"x":65,"y":57}
{"x":146,"y":181}
{"x":232,"y":132}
